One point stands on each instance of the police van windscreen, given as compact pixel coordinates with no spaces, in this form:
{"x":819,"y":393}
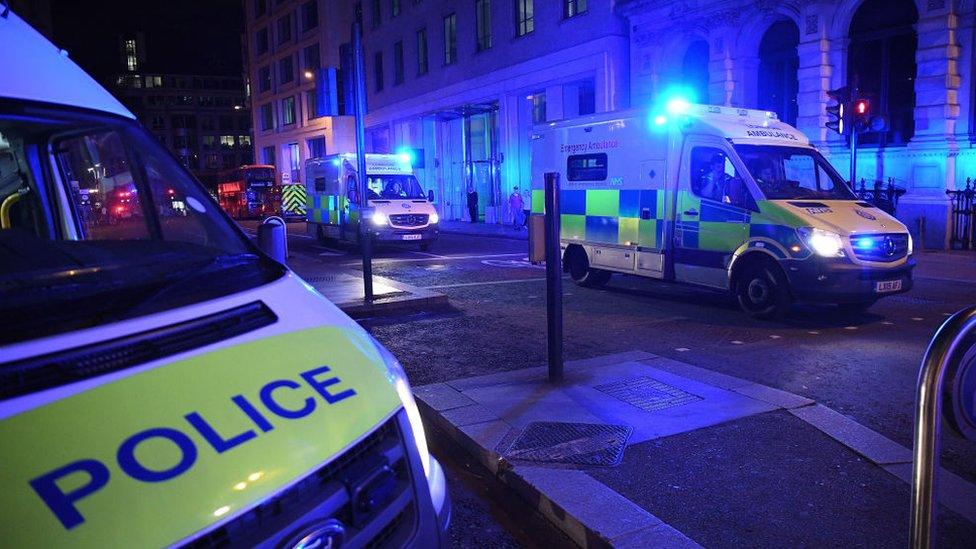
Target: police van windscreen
{"x":791,"y":173}
{"x":392,"y":186}
{"x":115,"y":229}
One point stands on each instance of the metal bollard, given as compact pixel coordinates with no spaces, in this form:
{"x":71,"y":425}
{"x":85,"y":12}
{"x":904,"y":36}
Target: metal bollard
{"x":554,"y":279}
{"x":273,"y":238}
{"x":928,"y":423}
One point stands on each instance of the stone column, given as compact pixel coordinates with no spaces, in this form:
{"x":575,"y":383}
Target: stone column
{"x":817,"y":73}
{"x":721,"y":69}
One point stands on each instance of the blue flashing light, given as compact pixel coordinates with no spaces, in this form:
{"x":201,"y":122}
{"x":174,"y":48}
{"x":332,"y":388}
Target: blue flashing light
{"x":864,"y":243}
{"x":405,"y":157}
{"x":337,"y":161}
{"x":660,"y":120}
{"x":677,"y":105}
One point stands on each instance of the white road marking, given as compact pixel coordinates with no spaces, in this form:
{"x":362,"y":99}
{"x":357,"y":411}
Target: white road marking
{"x":682,"y":349}
{"x":850,"y":327}
{"x":736,"y":342}
{"x":917,"y":318}
{"x":441,"y":258}
{"x":813,"y":332}
{"x":486,"y":283}
{"x":428,"y":254}
{"x":774,"y":336}
{"x":887,"y":323}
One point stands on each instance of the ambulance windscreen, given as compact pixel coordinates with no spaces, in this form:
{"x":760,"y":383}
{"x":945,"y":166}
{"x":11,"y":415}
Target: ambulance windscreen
{"x":791,"y":173}
{"x":394,"y":186}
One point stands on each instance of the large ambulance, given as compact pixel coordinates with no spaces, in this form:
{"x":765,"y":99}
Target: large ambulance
{"x":721,"y":197}
{"x":396,"y":209}
{"x":162,"y":381}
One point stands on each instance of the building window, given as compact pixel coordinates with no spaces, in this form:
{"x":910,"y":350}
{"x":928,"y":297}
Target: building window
{"x":538,"y":107}
{"x":294,"y":158}
{"x":286,"y":70}
{"x":268,"y":155}
{"x":587,"y":97}
{"x":422,"y":51}
{"x":378,"y":70}
{"x":209,"y":141}
{"x":260,"y":8}
{"x":572,"y":8}
{"x":398,"y":62}
{"x":212,"y":161}
{"x":310,"y":15}
{"x":154,"y":81}
{"x":288,"y":110}
{"x":311,"y":104}
{"x":881,"y":59}
{"x":312,"y":60}
{"x":261,"y":41}
{"x":694,"y":70}
{"x":377,"y":18}
{"x":284,"y":29}
{"x":316,"y":147}
{"x":227,"y":141}
{"x":131,"y":58}
{"x":450,"y":39}
{"x":778,"y":65}
{"x":395,"y":7}
{"x":267,"y":116}
{"x":524,"y":19}
{"x":158,"y":122}
{"x":482,"y":19}
{"x":264,"y":79}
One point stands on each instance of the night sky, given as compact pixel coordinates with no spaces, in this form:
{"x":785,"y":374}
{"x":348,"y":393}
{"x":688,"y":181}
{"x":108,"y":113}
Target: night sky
{"x":181,"y":36}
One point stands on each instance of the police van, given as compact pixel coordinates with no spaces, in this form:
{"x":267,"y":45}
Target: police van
{"x":396,"y":207}
{"x":720,"y":197}
{"x":162,"y":381}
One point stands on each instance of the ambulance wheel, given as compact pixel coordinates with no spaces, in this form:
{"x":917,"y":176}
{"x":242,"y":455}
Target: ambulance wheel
{"x":857,"y":307}
{"x":320,"y":235}
{"x":424,"y":246}
{"x":580,"y":271}
{"x":762,"y":291}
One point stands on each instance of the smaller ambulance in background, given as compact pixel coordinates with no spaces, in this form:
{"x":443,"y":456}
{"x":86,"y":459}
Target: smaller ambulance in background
{"x":397,"y":209}
{"x":720,"y":197}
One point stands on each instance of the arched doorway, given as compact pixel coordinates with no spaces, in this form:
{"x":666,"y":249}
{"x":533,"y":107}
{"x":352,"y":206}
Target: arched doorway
{"x":881,"y":60}
{"x":694,"y":70}
{"x":778,"y":65}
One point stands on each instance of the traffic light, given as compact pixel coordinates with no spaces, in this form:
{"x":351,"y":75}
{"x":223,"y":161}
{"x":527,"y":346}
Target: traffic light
{"x":862,"y":114}
{"x":838,"y":119}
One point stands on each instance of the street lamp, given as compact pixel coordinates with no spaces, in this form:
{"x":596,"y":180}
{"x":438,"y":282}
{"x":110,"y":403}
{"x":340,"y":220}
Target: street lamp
{"x":309,"y":74}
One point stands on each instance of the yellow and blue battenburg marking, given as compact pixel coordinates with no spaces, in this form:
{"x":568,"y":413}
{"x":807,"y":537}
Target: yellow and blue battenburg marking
{"x":330,"y":209}
{"x":609,"y":216}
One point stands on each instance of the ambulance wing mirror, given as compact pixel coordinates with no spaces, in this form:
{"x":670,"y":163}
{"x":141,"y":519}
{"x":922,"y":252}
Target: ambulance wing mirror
{"x":430,"y":195}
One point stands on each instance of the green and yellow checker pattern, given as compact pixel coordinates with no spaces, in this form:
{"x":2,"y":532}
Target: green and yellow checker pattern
{"x":325,"y":208}
{"x":637,"y":217}
{"x":293,"y":199}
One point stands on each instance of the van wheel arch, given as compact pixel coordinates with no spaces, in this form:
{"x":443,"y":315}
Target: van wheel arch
{"x":767,"y":283}
{"x":577,"y":264}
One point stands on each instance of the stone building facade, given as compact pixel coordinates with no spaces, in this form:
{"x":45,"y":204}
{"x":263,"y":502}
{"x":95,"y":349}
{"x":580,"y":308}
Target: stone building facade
{"x":913,"y":56}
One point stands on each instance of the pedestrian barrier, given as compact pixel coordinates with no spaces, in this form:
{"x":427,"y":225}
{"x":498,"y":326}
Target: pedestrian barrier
{"x":962,"y":233}
{"x":883,"y":196}
{"x":947,"y":378}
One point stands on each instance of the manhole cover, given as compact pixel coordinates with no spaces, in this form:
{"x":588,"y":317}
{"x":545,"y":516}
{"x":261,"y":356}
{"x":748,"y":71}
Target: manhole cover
{"x":575,"y":443}
{"x":647,"y":393}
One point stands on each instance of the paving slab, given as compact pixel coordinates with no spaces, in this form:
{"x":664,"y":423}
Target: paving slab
{"x":870,"y":444}
{"x":954,"y":492}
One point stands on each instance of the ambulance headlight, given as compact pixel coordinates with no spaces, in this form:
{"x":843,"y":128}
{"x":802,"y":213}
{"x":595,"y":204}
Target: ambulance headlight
{"x":399,"y":379}
{"x":911,"y":245}
{"x":434,"y":218}
{"x":380,"y":219}
{"x":823,"y":243}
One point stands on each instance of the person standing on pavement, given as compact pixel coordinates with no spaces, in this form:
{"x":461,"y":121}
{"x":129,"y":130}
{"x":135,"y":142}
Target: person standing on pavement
{"x":473,"y":204}
{"x":526,"y":207}
{"x":517,"y":206}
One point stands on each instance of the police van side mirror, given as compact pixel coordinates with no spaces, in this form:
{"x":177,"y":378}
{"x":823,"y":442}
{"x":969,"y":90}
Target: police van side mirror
{"x":430,"y":195}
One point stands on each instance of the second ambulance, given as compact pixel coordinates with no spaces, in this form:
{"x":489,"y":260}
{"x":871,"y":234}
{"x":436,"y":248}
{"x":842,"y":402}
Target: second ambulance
{"x":720,"y":197}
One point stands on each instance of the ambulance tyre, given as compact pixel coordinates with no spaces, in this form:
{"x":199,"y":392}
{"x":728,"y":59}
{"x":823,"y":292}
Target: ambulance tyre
{"x":580,"y":271}
{"x":424,"y":246}
{"x":762,"y":290}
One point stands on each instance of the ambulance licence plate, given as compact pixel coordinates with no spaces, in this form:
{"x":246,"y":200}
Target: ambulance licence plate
{"x":886,"y":286}
{"x":417,"y":237}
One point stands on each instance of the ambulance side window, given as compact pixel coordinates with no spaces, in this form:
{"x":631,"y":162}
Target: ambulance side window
{"x":714,"y":177}
{"x":320,"y":184}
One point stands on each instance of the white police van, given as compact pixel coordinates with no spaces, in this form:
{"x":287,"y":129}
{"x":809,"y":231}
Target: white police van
{"x":162,"y":381}
{"x":721,"y":197}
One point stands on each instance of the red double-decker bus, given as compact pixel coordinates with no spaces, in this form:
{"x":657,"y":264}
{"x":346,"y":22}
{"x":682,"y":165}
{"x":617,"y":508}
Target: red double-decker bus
{"x":249,"y":191}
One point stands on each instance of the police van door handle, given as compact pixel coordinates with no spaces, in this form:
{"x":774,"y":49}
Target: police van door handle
{"x":691,"y":213}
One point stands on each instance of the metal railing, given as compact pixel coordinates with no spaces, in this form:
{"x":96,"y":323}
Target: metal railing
{"x":946,"y":346}
{"x":883,"y":196}
{"x":962,"y":233}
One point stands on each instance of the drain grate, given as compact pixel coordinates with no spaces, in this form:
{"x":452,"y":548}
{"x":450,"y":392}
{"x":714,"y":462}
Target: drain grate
{"x":647,"y":393}
{"x":572,"y":443}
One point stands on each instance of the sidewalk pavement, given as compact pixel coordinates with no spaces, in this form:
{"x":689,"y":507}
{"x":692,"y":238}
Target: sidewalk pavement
{"x":344,"y":287}
{"x":637,"y":450}
{"x":484,"y":229}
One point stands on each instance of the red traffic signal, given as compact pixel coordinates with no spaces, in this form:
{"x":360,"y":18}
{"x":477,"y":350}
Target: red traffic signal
{"x":862,"y":106}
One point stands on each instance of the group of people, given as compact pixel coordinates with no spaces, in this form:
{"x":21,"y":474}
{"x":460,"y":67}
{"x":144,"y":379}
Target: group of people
{"x":519,"y":207}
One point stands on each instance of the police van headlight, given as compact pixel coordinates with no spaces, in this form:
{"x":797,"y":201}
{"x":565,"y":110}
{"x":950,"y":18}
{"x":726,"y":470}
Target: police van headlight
{"x":399,"y":378}
{"x":823,"y":243}
{"x":379,"y":218}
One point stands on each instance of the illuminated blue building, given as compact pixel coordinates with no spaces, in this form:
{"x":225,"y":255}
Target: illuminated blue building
{"x":915,"y":56}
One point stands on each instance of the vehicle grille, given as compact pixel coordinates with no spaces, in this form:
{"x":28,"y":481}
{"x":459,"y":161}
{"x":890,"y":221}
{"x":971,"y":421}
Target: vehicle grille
{"x":326,"y":494}
{"x":408,"y":220}
{"x":883,"y":247}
